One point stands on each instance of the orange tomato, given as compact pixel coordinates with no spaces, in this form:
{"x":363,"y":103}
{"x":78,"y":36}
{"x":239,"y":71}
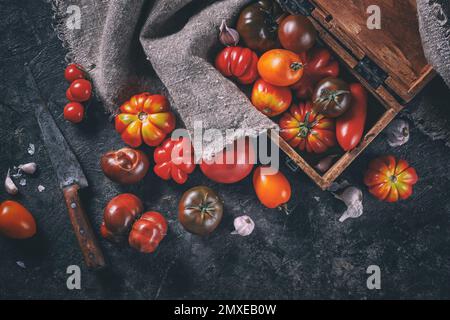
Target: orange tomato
{"x":145,"y":117}
{"x":271,"y":100}
{"x":272,"y":190}
{"x":16,"y":221}
{"x":280,"y":67}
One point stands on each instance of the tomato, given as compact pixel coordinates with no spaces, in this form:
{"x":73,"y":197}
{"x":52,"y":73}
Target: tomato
{"x":232,"y":165}
{"x":239,"y":63}
{"x":273,"y":190}
{"x":332,"y":97}
{"x":80,"y":90}
{"x":258,"y":25}
{"x":200,"y":210}
{"x":119,"y":215}
{"x":145,"y":117}
{"x":350,"y":126}
{"x":280,"y":67}
{"x":319,"y":64}
{"x":390,"y":179}
{"x":271,"y":100}
{"x":307,"y":130}
{"x":297,"y":33}
{"x":74,"y":112}
{"x":125,"y":166}
{"x":16,"y":222}
{"x":174,"y":159}
{"x":148,"y":232}
{"x":73,"y":72}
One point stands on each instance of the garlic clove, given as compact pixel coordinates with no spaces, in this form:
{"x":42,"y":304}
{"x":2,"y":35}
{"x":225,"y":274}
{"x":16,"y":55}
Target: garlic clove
{"x":397,"y":133}
{"x":244,"y":226}
{"x":10,"y":186}
{"x":28,"y":168}
{"x":352,"y":197}
{"x":228,"y":36}
{"x":325,"y":163}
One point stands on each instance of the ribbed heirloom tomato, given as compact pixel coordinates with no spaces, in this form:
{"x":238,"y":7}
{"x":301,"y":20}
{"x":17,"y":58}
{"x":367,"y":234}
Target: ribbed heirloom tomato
{"x":239,"y":63}
{"x":301,"y":127}
{"x":390,"y":179}
{"x":146,"y":118}
{"x":280,"y":67}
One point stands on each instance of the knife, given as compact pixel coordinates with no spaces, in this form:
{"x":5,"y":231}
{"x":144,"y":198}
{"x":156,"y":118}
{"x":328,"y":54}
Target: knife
{"x":69,"y":173}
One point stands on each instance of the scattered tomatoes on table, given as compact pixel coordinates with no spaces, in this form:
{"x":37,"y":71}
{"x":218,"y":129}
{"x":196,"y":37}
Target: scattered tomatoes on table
{"x":390,"y":179}
{"x":145,"y":118}
{"x":239,"y":63}
{"x":297,"y":33}
{"x":80,"y":90}
{"x":273,"y":189}
{"x":16,"y":222}
{"x":125,"y":166}
{"x":269,"y":99}
{"x":74,"y":112}
{"x":73,"y":72}
{"x":350,"y":126}
{"x":280,"y":67}
{"x":174,"y":159}
{"x":306,"y":130}
{"x":148,"y":232}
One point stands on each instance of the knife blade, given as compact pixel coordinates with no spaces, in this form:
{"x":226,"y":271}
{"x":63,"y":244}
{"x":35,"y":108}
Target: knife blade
{"x":68,"y":171}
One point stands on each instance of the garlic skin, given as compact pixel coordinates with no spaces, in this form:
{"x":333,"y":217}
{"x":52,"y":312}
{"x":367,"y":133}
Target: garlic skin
{"x":244,"y":226}
{"x":28,"y":168}
{"x":397,"y":133}
{"x":228,"y":36}
{"x":325,"y":163}
{"x":352,"y":197}
{"x":10,"y":187}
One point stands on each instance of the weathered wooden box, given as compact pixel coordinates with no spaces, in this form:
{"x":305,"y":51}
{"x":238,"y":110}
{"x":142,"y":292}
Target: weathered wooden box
{"x":389,"y":62}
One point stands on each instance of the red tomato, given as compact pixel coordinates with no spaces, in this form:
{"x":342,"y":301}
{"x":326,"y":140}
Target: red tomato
{"x":319,"y":64}
{"x":80,"y":90}
{"x":241,"y":159}
{"x":301,"y":127}
{"x":16,"y":221}
{"x":74,"y":112}
{"x":148,"y":232}
{"x":280,"y":67}
{"x":73,"y":72}
{"x":69,"y":95}
{"x":350,"y":126}
{"x":239,"y":63}
{"x":174,"y":159}
{"x":272,"y":190}
{"x":269,"y":99}
{"x":390,"y":179}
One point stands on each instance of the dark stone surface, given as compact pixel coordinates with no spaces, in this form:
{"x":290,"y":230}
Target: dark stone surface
{"x":308,"y":254}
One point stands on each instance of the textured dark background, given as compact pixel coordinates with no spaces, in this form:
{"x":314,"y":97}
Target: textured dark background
{"x":308,"y":254}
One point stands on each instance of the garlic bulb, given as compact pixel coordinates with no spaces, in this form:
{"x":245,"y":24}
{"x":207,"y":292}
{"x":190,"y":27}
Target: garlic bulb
{"x":10,"y":186}
{"x":244,"y":226}
{"x":352,"y":197}
{"x":325,"y":163}
{"x":228,"y":36}
{"x":397,"y":133}
{"x":28,"y":168}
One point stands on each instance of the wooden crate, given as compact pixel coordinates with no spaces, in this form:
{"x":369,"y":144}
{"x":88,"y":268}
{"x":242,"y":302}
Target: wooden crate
{"x":389,"y":62}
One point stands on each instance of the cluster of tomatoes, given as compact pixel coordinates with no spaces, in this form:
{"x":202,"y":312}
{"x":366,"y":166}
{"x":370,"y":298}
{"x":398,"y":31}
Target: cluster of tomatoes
{"x":80,"y":90}
{"x":280,"y":58}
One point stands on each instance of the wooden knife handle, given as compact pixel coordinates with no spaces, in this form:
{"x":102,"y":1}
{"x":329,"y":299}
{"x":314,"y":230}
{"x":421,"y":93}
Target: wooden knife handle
{"x":83,"y":230}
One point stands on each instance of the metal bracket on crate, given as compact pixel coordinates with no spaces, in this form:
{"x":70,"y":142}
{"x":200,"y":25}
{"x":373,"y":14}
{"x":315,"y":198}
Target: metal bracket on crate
{"x":371,"y":72}
{"x":304,"y":7}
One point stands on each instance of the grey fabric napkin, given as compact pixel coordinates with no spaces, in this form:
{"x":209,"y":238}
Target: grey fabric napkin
{"x":161,"y":46}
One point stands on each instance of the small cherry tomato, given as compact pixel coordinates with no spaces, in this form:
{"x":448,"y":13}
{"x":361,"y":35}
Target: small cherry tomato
{"x":73,"y":72}
{"x":69,"y":95}
{"x":390,"y":179}
{"x":16,"y":222}
{"x":280,"y":67}
{"x":74,"y":112}
{"x":272,"y":189}
{"x":119,"y":215}
{"x":269,"y":99}
{"x":148,"y":232}
{"x":297,"y":33}
{"x":238,"y":63}
{"x":80,"y":90}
